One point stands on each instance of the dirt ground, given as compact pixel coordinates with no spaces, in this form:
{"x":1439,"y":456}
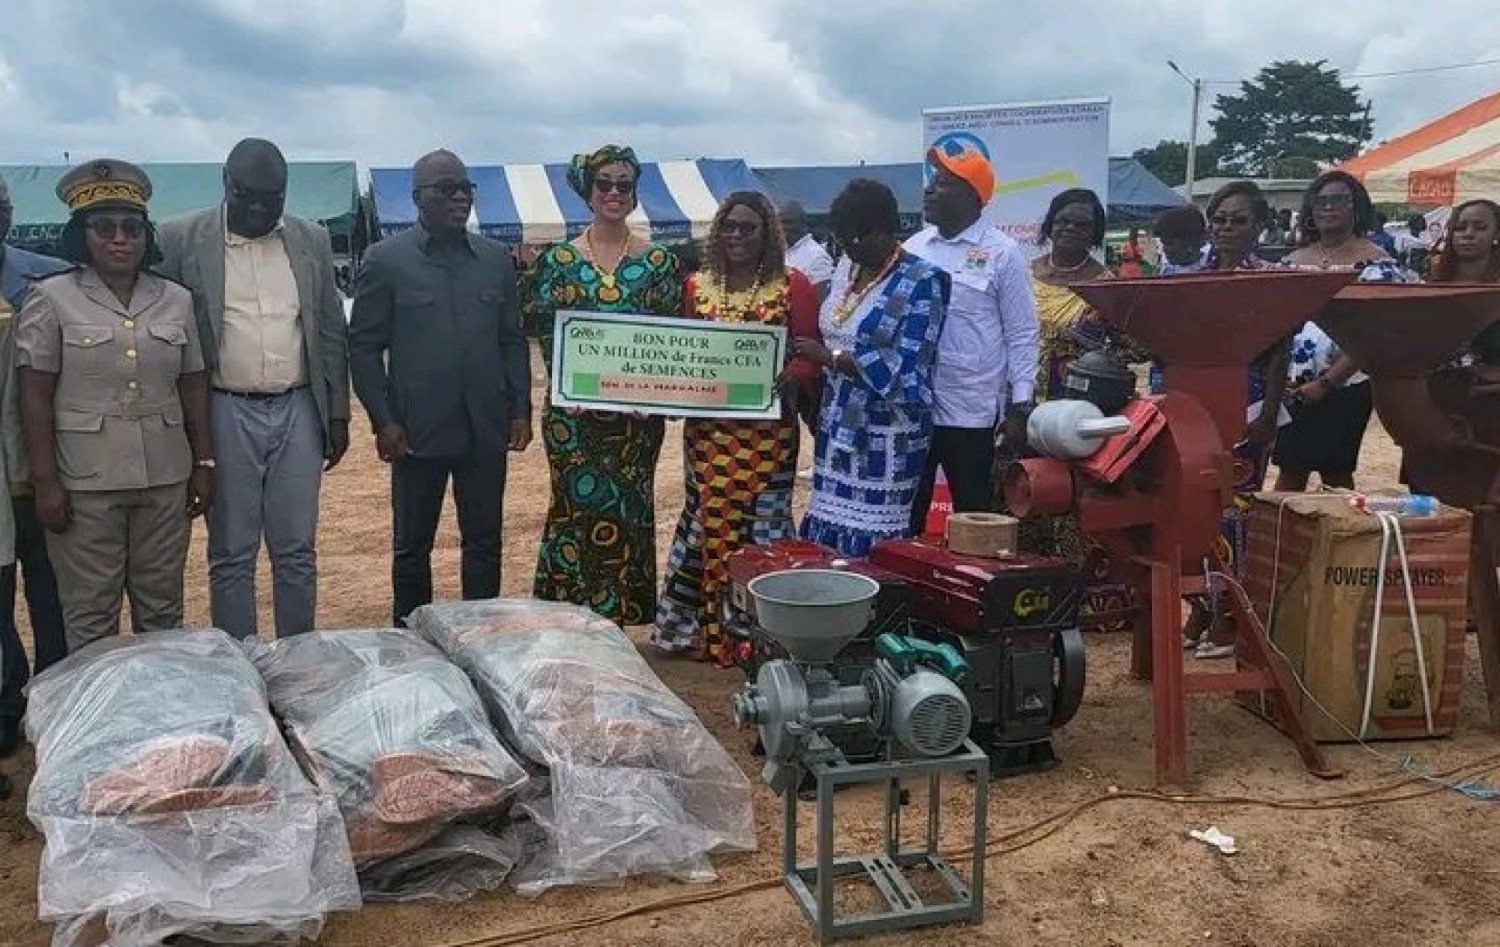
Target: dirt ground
{"x":1122,"y":872}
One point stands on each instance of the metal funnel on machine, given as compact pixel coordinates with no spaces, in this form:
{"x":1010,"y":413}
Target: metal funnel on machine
{"x":1206,"y":328}
{"x":1447,"y":423}
{"x":1398,"y":330}
{"x":813,"y":613}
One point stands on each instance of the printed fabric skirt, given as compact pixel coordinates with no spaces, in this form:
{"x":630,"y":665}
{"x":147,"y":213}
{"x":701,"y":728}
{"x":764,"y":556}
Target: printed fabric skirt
{"x":738,"y":486}
{"x":599,"y":543}
{"x":864,"y":480}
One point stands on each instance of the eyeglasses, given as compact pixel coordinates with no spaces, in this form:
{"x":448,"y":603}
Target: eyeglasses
{"x":1065,"y":223}
{"x":1333,"y":201}
{"x":1224,"y":220}
{"x":248,"y":195}
{"x":451,"y":189}
{"x":105,"y":228}
{"x":605,"y":185}
{"x":739,"y":228}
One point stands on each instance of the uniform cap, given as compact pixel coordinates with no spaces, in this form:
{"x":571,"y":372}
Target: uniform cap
{"x":105,"y":182}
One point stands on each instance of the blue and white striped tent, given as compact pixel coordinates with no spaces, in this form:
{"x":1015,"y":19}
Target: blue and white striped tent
{"x":532,"y":203}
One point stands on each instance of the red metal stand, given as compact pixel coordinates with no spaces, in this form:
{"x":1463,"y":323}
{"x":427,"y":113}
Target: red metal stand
{"x":1161,"y":518}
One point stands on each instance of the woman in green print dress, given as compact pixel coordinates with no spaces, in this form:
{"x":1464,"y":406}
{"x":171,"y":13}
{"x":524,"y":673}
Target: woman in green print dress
{"x":599,"y":545}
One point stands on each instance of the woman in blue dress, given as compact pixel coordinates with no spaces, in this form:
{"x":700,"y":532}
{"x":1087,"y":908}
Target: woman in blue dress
{"x":880,"y":326}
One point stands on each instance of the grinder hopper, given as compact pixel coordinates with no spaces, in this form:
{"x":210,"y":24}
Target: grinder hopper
{"x":813,"y":613}
{"x":1396,"y":330}
{"x":1445,"y":422}
{"x":1207,"y":328}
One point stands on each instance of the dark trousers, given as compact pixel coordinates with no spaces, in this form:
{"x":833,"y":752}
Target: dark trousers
{"x":41,"y":603}
{"x":418,"y":485}
{"x":967,"y":456}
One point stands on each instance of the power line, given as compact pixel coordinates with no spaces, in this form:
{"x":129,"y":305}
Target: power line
{"x":1386,"y":75}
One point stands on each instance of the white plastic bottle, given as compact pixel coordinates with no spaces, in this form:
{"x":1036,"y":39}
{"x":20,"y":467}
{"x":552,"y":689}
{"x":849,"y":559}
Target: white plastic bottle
{"x":1415,"y":504}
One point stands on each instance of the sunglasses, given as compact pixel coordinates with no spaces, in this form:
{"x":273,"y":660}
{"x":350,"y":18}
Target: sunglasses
{"x":1222,"y":220}
{"x":739,"y":228}
{"x":1064,"y":223}
{"x":105,"y":228}
{"x":1333,"y":201}
{"x":249,"y":195}
{"x":451,"y":189}
{"x":605,"y":185}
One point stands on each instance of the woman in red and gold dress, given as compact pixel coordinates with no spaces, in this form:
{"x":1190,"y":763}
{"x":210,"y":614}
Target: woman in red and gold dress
{"x":739,"y":474}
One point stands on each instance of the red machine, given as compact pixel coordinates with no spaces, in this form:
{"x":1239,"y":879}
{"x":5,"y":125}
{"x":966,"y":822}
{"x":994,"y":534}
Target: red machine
{"x":1015,"y":621}
{"x":1445,"y":418}
{"x":1159,"y":518}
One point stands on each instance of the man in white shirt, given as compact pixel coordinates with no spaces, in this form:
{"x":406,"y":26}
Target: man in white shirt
{"x":275,"y":341}
{"x":987,"y":355}
{"x":803,"y":252}
{"x":1415,"y":238}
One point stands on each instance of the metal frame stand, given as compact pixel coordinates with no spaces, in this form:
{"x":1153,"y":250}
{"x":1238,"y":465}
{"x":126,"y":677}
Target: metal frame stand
{"x":812,"y":884}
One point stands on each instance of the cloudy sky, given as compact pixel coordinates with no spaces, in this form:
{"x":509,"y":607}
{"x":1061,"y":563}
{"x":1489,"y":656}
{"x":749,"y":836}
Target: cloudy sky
{"x":774,"y":81}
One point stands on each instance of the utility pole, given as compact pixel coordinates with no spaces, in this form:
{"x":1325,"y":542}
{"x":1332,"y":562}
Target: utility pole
{"x":1192,"y":148}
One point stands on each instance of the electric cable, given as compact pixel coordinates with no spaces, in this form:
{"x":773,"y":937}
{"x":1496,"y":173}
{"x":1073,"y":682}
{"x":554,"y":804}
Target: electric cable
{"x":1033,"y":834}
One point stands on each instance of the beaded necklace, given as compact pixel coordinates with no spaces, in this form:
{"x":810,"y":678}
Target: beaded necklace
{"x":606,"y":277}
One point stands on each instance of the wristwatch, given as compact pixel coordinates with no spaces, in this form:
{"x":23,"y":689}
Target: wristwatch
{"x":207,"y":463}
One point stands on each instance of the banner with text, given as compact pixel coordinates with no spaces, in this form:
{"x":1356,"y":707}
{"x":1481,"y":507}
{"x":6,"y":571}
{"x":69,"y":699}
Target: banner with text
{"x":1037,"y":149}
{"x":657,"y":365}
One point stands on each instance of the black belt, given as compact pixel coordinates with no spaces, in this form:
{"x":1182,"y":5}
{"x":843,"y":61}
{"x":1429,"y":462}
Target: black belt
{"x":259,"y":395}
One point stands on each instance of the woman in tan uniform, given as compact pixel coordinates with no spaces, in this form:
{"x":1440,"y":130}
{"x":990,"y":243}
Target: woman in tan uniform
{"x":114,"y":407}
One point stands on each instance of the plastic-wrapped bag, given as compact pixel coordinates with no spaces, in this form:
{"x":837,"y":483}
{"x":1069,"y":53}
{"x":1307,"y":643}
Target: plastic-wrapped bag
{"x":170,"y":804}
{"x":638,"y":784}
{"x":383,"y":721}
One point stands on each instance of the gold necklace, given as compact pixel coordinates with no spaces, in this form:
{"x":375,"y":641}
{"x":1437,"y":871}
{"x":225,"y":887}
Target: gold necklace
{"x":1330,"y":252}
{"x":851,"y":300}
{"x":607,"y":278}
{"x":1052,"y":262}
{"x":722,"y":285}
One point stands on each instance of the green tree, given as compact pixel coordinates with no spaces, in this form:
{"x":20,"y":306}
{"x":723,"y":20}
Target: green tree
{"x":1168,"y":161}
{"x":1290,"y":114}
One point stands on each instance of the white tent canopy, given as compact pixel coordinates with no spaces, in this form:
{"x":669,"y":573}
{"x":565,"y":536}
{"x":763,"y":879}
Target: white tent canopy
{"x":1447,"y":162}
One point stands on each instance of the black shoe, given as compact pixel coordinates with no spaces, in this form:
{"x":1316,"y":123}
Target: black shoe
{"x":4,"y":786}
{"x":10,"y":736}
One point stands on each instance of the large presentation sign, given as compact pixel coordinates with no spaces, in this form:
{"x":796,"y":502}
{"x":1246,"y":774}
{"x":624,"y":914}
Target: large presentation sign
{"x":659,"y":365}
{"x":1036,"y":148}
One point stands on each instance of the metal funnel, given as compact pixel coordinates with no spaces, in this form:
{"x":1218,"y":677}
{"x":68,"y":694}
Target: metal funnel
{"x":1206,"y":328}
{"x":813,"y":613}
{"x":1399,"y":330}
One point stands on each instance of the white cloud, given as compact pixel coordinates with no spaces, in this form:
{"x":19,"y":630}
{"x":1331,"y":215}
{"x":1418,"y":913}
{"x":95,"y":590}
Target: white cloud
{"x":779,"y":81}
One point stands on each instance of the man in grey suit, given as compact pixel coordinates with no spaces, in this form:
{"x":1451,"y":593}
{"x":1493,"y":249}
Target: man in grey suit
{"x":440,"y":365}
{"x":275,"y":341}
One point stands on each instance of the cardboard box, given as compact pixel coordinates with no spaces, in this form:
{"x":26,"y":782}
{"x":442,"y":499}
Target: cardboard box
{"x":1311,"y":574}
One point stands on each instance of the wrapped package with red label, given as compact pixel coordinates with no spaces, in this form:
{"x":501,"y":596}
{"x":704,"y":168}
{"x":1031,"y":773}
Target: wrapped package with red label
{"x":637,"y":784}
{"x":383,"y":721}
{"x":171,"y":805}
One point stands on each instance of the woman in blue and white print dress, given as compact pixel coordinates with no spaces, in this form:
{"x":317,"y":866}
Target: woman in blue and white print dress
{"x":1330,"y":398}
{"x":880,"y":326}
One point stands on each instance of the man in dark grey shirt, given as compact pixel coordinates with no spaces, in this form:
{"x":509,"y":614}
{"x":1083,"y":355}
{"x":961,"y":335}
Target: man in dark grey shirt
{"x":440,"y":364}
